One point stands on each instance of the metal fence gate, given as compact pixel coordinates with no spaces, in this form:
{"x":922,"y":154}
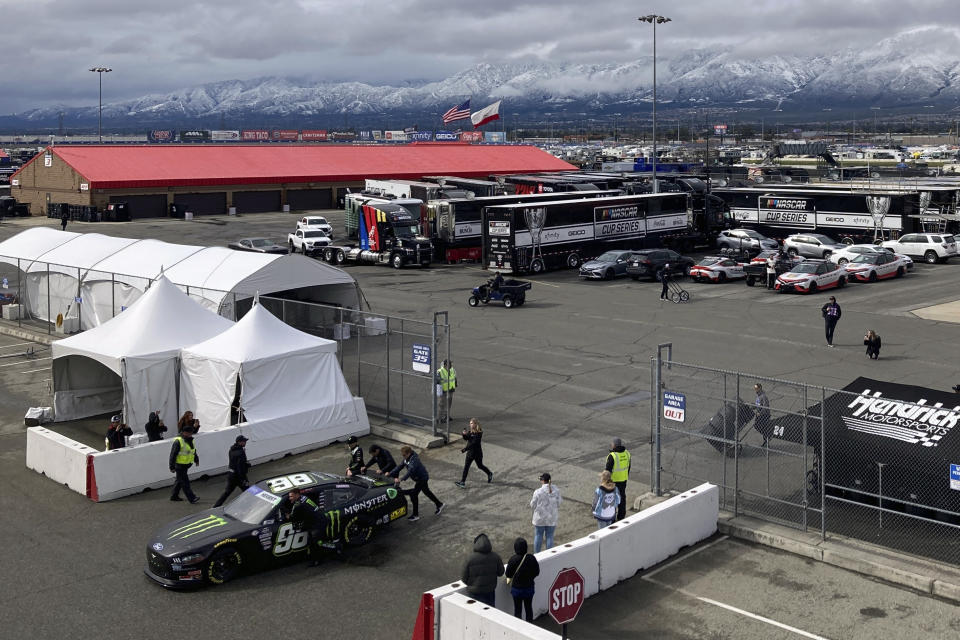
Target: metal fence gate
{"x":779,"y":451}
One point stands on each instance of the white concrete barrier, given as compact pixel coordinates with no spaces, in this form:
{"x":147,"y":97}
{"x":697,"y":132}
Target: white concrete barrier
{"x":604,"y":558}
{"x":58,"y":457}
{"x":583,"y":553}
{"x":462,"y":618}
{"x":127,"y":471}
{"x":653,"y":535}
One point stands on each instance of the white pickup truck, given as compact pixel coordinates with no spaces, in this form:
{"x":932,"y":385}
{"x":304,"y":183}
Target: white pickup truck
{"x":308,"y":241}
{"x":315,"y":223}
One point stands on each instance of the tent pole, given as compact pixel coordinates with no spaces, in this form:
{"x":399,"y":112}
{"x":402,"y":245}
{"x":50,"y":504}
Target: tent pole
{"x":113,"y":295}
{"x":48,"y":299}
{"x":79,"y":301}
{"x":388,"y":375}
{"x":19,"y":294}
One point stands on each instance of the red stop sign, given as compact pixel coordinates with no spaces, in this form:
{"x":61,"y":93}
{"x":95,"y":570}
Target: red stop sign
{"x":566,"y":595}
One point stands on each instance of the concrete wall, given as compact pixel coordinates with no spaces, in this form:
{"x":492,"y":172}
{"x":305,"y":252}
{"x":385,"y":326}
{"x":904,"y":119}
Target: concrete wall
{"x":58,"y":457}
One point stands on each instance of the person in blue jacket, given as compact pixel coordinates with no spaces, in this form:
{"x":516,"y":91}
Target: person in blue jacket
{"x":418,"y":473}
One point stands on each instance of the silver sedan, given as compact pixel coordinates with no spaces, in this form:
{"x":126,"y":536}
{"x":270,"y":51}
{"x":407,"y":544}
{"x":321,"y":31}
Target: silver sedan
{"x":607,"y":266}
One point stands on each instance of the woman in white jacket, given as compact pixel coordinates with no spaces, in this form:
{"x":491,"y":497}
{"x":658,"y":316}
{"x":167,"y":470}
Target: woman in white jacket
{"x":546,"y":511}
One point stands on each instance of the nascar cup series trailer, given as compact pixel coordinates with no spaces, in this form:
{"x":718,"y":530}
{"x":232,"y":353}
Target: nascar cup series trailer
{"x":532,"y":238}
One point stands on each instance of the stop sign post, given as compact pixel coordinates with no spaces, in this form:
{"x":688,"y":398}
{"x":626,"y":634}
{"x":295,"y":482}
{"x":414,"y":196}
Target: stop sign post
{"x":566,"y":597}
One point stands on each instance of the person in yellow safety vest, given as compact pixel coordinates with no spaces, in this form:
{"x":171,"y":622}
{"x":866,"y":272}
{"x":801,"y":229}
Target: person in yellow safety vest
{"x":183,"y":454}
{"x":618,"y":464}
{"x":447,"y":379}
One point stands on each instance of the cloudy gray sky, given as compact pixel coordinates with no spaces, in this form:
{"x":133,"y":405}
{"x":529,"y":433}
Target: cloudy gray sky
{"x":157,"y":46}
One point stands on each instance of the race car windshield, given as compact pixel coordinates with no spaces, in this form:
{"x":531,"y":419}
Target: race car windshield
{"x":252,"y":506}
{"x":865,"y":258}
{"x":805,"y":267}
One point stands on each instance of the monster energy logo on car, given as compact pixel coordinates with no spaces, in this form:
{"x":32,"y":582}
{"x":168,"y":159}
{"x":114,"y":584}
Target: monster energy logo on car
{"x":333,"y":523}
{"x":391,"y":493}
{"x":197,"y":526}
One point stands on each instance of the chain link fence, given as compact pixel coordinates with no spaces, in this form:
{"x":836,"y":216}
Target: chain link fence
{"x":798,"y":455}
{"x":390,"y":361}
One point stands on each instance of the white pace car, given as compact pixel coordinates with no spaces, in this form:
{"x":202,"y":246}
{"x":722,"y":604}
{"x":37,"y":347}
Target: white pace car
{"x":871,"y":267}
{"x":848,"y":253}
{"x":717,"y":269}
{"x":811,"y":276}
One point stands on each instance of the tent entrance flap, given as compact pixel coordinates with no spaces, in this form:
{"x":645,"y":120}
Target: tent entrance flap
{"x":84,"y":387}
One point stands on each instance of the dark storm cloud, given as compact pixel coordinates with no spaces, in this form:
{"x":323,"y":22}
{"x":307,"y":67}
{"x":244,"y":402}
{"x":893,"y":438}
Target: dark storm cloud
{"x":161,"y":45}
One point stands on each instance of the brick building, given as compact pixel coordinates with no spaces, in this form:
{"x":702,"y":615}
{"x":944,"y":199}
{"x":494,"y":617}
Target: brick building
{"x":211,"y":179}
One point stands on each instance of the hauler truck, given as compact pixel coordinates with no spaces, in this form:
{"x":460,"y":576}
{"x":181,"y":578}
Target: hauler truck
{"x":387,"y":234}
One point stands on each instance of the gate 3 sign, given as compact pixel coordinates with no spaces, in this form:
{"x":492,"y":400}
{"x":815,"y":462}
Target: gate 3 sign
{"x":674,"y":406}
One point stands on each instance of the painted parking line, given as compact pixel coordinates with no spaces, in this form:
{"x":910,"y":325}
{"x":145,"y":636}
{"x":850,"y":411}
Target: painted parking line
{"x":14,"y":364}
{"x":15,"y":344}
{"x":748,"y":614}
{"x":35,"y":370}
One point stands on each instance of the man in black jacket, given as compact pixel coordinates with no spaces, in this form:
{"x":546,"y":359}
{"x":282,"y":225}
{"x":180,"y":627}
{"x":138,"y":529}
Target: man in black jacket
{"x":154,"y":427}
{"x":356,"y":457}
{"x":380,"y":457}
{"x":183,"y":454}
{"x":831,"y":316}
{"x":418,"y":473}
{"x":237,"y":474}
{"x":116,"y":434}
{"x":481,"y":571}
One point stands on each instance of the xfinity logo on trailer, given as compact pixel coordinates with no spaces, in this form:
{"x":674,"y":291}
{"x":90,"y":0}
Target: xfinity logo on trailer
{"x":790,"y":204}
{"x":915,"y":423}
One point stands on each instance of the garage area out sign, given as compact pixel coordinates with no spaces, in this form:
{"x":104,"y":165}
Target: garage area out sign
{"x":420,"y":357}
{"x":674,"y":406}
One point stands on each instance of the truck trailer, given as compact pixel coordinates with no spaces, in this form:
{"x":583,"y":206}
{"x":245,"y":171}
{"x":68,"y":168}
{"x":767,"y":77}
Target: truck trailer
{"x":535,"y":237}
{"x":387,"y":234}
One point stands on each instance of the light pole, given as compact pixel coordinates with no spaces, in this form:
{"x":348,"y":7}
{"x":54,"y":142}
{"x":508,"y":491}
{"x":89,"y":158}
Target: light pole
{"x":654,"y":19}
{"x":874,"y":109}
{"x":100,"y":71}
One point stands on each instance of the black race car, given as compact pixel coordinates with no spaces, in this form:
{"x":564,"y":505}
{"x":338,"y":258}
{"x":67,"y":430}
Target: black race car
{"x":250,"y":533}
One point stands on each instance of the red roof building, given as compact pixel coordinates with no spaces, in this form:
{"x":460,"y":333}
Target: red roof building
{"x":210,"y":179}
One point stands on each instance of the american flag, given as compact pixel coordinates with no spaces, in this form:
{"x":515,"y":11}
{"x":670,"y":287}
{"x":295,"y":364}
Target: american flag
{"x":459,"y":112}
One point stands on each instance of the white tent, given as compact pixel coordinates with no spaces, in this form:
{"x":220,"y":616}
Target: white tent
{"x":131,"y":360}
{"x":277,"y":370}
{"x":108,"y":274}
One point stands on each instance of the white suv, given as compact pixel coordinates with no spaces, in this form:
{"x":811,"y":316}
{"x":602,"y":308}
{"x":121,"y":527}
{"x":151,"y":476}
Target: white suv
{"x":932,"y":247}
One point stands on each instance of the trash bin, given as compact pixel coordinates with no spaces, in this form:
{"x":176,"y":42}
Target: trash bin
{"x":188,"y":215}
{"x":233,"y":211}
{"x":286,"y":208}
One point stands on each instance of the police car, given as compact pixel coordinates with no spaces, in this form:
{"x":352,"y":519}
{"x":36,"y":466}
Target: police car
{"x":870,"y":267}
{"x":717,"y":269}
{"x":250,"y":532}
{"x":811,"y":276}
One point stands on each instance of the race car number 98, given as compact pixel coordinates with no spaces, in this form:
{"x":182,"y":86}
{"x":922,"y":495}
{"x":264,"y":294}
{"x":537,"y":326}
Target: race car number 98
{"x":289,"y":540}
{"x":285,"y":483}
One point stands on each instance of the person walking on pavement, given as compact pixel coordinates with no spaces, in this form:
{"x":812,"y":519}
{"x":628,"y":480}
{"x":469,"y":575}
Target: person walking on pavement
{"x":546,"y":512}
{"x":237,"y":473}
{"x":665,"y":281}
{"x":382,"y":458}
{"x":418,"y":473}
{"x":761,"y":420}
{"x":831,"y":316}
{"x":183,"y":454}
{"x":872,"y":342}
{"x":64,"y":219}
{"x":154,"y":427}
{"x":117,"y":434}
{"x":474,"y":451}
{"x":618,"y":464}
{"x":606,"y":500}
{"x":522,"y":570}
{"x":481,"y":570}
{"x":447,"y":379}
{"x":356,"y":457}
{"x":771,"y":270}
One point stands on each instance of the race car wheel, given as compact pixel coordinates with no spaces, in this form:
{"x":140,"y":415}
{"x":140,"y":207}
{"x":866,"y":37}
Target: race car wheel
{"x":328,"y":255}
{"x":536,"y":266}
{"x":842,"y":261}
{"x":223,"y":565}
{"x":397,"y":261}
{"x":472,"y":301}
{"x":873,"y":276}
{"x":608,"y":274}
{"x":842,"y":282}
{"x":793,"y":252}
{"x":722,"y":278}
{"x":899,"y":272}
{"x":357,"y":533}
{"x":931,"y":257}
{"x":507,"y":301}
{"x":573,"y":261}
{"x":341,"y":257}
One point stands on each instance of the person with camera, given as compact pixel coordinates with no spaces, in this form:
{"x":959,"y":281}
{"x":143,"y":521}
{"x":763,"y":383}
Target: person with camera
{"x":183,"y":455}
{"x":237,"y":473}
{"x":474,"y":451}
{"x":117,"y":434}
{"x":154,"y":427}
{"x":872,"y":342}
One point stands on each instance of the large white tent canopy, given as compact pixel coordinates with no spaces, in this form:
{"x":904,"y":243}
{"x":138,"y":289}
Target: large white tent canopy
{"x":276,"y":369}
{"x":108,"y":274}
{"x":131,"y":360}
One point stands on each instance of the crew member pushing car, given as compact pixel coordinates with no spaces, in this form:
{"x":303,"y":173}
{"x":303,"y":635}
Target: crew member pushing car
{"x":304,"y":514}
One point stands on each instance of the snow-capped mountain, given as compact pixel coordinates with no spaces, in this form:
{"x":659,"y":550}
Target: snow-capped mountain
{"x":914,"y":68}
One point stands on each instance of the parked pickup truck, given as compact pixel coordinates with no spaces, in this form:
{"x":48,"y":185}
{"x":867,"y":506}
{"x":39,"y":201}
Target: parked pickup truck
{"x":308,"y":241}
{"x":315,"y":223}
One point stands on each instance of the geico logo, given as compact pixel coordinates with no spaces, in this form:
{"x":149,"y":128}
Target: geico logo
{"x":578,"y":232}
{"x":833,"y":219}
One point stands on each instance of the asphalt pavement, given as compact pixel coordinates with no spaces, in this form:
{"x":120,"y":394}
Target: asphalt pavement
{"x":552,"y":382}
